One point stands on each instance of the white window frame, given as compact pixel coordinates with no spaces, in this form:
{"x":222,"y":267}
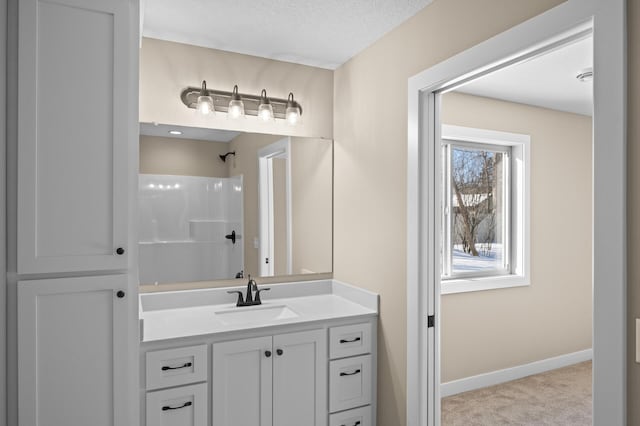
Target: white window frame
{"x":519,"y":228}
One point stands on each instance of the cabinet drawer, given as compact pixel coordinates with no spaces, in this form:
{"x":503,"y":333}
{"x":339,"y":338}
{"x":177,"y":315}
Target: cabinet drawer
{"x":356,"y":417}
{"x":183,"y":406}
{"x":349,"y":383}
{"x":350,"y":340}
{"x":174,"y":367}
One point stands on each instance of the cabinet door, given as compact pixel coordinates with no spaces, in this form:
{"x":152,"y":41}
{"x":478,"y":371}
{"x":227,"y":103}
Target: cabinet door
{"x":300,"y":379}
{"x":242,"y":382}
{"x":73,"y":352}
{"x":74,"y":127}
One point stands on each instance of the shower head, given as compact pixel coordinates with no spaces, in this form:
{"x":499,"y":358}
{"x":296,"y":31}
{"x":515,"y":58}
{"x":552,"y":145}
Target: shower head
{"x":223,"y":157}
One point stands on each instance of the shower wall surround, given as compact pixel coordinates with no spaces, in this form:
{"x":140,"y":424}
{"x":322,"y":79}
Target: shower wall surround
{"x":184,"y":224}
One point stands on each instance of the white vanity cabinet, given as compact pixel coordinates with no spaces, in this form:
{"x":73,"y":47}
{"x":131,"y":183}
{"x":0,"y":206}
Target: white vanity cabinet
{"x":75,"y":160}
{"x":315,"y":366}
{"x":276,"y":380}
{"x":75,"y":119}
{"x":73,"y":351}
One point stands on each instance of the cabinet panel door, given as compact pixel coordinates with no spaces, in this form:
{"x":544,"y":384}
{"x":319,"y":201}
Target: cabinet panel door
{"x":242,"y":383}
{"x":73,"y":352}
{"x":300,"y":379}
{"x":73,"y":132}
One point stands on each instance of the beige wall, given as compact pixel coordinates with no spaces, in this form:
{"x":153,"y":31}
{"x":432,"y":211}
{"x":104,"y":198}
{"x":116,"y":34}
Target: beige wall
{"x":184,"y":157}
{"x":312,"y":205}
{"x":370,"y":162}
{"x":633,"y":372}
{"x":490,"y":330}
{"x":167,"y":68}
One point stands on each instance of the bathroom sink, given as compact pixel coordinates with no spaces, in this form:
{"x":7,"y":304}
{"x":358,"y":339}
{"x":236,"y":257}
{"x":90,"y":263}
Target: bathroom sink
{"x":257,"y":314}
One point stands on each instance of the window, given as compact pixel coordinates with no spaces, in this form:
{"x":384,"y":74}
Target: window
{"x":484,"y":209}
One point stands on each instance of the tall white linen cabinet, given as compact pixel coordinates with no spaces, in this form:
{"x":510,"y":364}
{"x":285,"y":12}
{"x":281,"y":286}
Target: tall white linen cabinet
{"x":73,"y":212}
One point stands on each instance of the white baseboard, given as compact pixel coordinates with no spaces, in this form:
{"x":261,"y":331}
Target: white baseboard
{"x":508,"y":374}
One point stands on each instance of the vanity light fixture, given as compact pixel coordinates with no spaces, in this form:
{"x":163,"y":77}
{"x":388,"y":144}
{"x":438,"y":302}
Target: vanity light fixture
{"x":208,"y":101}
{"x":265,"y":110}
{"x":236,"y":106}
{"x":204,"y":105}
{"x":293,"y":111}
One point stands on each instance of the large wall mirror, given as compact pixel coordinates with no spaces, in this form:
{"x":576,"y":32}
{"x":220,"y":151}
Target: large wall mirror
{"x":219,"y":205}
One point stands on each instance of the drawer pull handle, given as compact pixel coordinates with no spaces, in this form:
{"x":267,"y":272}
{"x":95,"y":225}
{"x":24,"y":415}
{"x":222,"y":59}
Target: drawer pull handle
{"x":357,"y":339}
{"x":186,"y":404}
{"x":355,"y":424}
{"x":185,"y":365}
{"x":350,"y":374}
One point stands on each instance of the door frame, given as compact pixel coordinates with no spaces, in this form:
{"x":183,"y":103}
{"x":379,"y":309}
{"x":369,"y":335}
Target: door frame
{"x":607,"y":19}
{"x":279,"y":149}
{"x":3,"y":255}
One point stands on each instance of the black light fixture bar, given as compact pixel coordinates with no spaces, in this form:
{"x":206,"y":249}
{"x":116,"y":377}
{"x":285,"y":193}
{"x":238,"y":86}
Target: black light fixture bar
{"x":221,"y":100}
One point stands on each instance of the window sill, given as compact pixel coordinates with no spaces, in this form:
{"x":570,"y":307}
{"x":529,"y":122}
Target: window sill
{"x":465,"y":285}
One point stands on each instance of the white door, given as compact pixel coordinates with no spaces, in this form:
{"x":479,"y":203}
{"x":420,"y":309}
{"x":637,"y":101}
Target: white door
{"x":73,"y":351}
{"x":75,"y":74}
{"x":242,"y":383}
{"x":300,"y":379}
{"x":268,"y":205}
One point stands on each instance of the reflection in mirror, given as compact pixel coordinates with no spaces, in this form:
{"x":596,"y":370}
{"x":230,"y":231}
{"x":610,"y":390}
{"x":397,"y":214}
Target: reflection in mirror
{"x":218,"y":205}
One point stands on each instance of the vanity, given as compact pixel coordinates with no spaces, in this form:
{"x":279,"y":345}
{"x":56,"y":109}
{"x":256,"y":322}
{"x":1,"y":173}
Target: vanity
{"x":305,"y":356}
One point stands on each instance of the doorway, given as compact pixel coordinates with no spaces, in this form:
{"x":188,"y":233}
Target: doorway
{"x":516,"y":297}
{"x":274,"y":193}
{"x":554,"y":28}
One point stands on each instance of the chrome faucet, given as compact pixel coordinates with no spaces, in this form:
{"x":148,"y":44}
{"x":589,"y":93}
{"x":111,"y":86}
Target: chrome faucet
{"x":249,"y":299}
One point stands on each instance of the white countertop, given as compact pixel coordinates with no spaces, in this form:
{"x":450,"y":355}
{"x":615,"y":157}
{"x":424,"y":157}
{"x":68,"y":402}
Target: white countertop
{"x":178,"y":314}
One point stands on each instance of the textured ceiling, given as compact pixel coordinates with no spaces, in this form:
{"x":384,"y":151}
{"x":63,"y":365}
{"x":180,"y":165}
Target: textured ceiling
{"x":321,"y":33}
{"x":547,"y":81}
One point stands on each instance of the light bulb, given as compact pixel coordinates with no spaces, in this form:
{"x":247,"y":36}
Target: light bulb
{"x":236,"y":109}
{"x":205,"y":105}
{"x":265,"y":110}
{"x":293,"y":112}
{"x":236,"y":106}
{"x":293,"y":116}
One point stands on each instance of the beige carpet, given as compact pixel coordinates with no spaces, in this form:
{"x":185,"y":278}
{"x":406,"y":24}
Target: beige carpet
{"x":558,"y":397}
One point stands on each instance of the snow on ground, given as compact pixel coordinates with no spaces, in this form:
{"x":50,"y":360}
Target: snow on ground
{"x":463,"y":262}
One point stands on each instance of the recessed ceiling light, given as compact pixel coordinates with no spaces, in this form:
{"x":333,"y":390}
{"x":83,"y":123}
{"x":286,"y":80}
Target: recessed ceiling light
{"x":175,"y":132}
{"x":585,"y":75}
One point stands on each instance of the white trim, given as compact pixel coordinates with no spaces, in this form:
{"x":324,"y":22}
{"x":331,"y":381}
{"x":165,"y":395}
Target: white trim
{"x":568,"y":20}
{"x":497,"y":377}
{"x":465,"y":285}
{"x":3,"y":209}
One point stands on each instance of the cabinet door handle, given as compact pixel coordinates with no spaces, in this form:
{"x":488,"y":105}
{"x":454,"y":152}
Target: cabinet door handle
{"x":119,"y":251}
{"x":356,"y":339}
{"x":355,"y":424}
{"x":120,"y":294}
{"x":279,"y":352}
{"x":186,"y":404}
{"x":185,"y":365}
{"x":267,"y":354}
{"x":350,"y":374}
